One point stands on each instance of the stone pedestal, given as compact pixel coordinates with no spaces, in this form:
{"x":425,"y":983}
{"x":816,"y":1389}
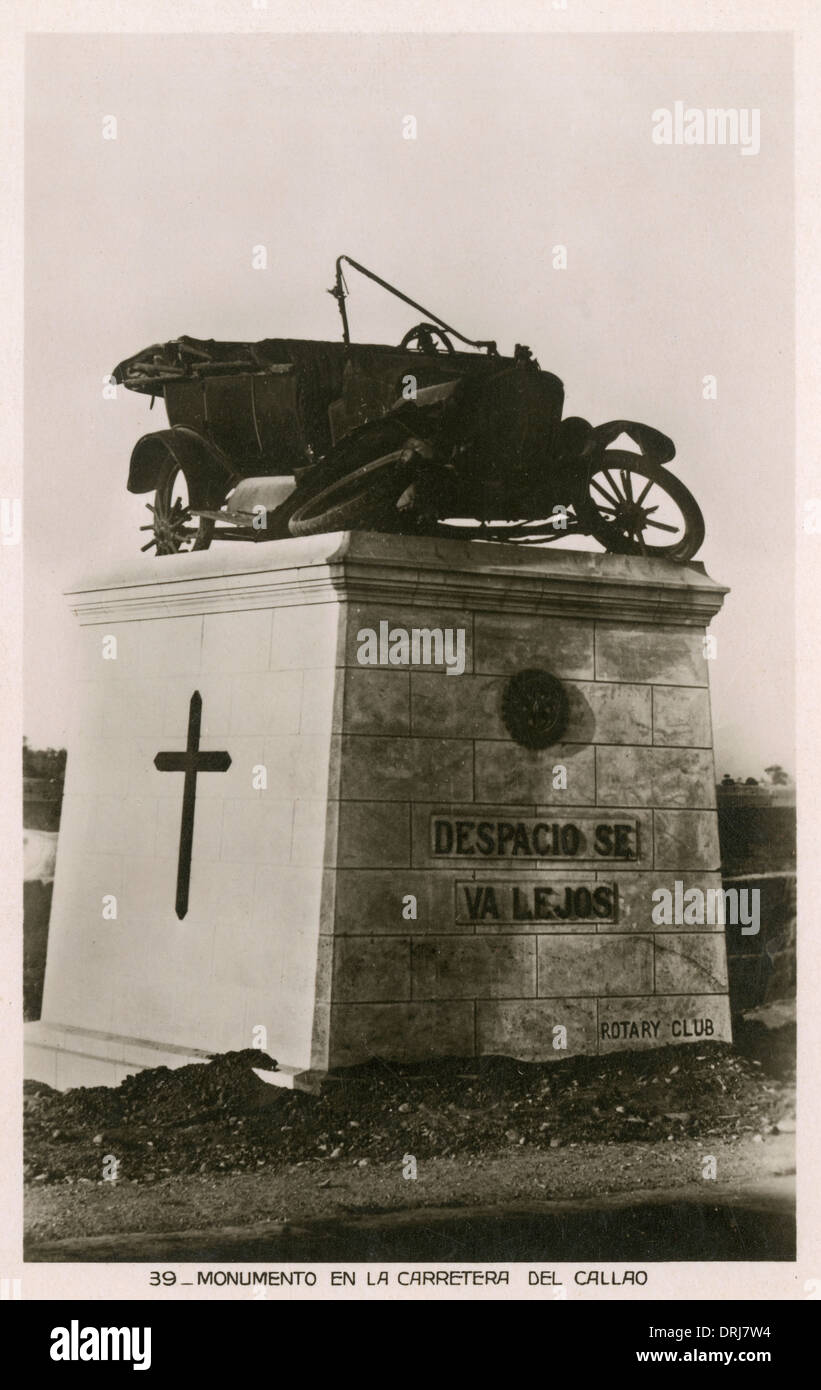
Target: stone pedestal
{"x":383,"y":869}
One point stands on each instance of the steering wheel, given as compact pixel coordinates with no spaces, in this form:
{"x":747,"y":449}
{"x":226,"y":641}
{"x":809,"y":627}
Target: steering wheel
{"x":424,"y":335}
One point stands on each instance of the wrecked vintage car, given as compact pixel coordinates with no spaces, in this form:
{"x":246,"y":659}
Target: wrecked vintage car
{"x":289,"y":437}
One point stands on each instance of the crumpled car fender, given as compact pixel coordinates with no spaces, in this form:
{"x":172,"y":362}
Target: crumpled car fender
{"x":652,"y":443}
{"x":197,"y":456}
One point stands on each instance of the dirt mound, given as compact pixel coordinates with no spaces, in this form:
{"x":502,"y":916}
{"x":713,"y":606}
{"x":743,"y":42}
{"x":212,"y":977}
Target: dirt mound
{"x":218,"y":1116}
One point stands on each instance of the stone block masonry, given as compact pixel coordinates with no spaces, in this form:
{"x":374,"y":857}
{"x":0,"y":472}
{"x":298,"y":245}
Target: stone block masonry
{"x":440,"y":813}
{"x":383,"y":870}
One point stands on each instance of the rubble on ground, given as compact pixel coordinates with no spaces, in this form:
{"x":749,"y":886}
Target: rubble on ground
{"x":218,"y":1117}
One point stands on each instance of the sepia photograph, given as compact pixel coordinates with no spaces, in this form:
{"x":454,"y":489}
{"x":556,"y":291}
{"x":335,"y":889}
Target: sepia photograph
{"x":409,"y":767}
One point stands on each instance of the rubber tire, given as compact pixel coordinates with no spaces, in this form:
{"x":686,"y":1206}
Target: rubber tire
{"x":199,"y":495}
{"x":615,"y":541}
{"x":376,"y":486}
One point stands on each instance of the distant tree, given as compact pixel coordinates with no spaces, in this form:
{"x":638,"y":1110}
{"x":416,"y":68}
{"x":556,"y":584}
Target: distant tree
{"x":727,"y":780}
{"x":751,"y":782}
{"x":44,"y":762}
{"x":778,"y":777}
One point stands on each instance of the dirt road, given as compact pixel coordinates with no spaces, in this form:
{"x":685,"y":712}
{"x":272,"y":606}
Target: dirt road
{"x":625,"y":1201}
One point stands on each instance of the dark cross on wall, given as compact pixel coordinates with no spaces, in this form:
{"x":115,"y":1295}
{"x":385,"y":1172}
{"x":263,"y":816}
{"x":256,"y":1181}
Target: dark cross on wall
{"x":190,"y":762}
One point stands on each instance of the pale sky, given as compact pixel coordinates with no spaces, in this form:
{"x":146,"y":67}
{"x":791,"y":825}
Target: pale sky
{"x":680,"y":264}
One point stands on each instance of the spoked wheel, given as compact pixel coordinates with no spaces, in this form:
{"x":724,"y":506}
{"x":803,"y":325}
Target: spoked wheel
{"x":366,"y":497}
{"x":173,"y":527}
{"x":635,"y":507}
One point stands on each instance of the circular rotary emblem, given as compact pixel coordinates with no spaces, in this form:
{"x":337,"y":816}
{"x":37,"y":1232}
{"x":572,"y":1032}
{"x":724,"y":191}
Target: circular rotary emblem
{"x":535,"y":708}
